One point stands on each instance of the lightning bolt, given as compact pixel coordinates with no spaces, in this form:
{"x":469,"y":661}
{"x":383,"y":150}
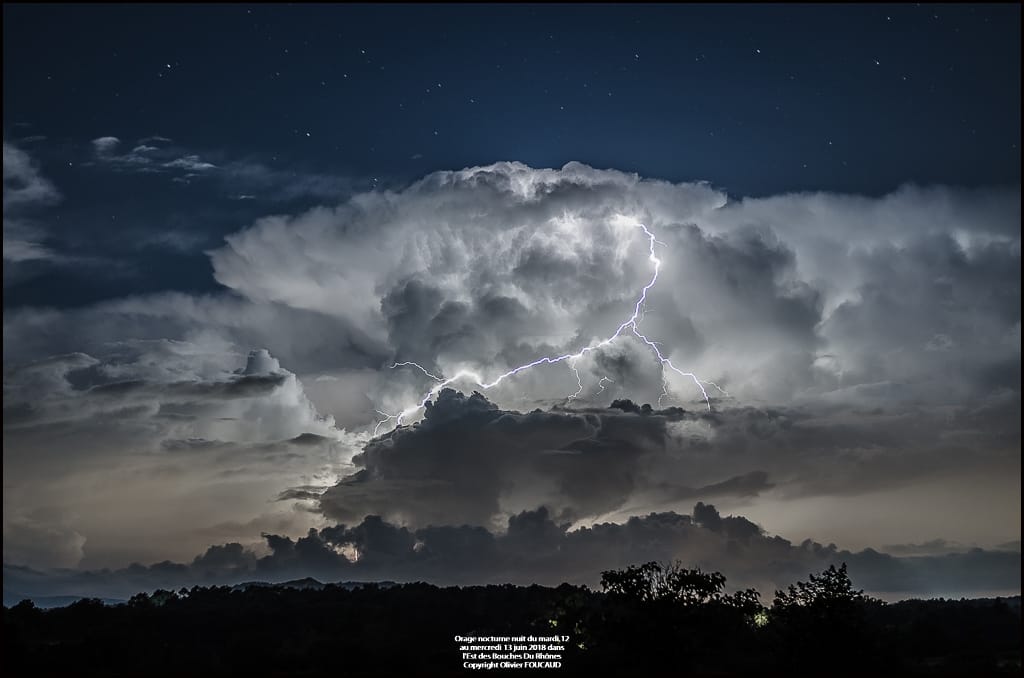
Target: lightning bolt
{"x":386,"y":419}
{"x":720,"y":389}
{"x":412,"y":364}
{"x":600,"y":384}
{"x":579,"y":380}
{"x":631,"y":325}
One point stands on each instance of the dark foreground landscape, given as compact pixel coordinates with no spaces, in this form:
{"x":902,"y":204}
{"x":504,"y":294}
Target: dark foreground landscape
{"x":647,"y":620}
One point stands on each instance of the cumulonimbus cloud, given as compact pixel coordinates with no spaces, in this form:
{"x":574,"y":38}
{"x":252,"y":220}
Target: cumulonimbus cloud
{"x":778,"y":298}
{"x":868,"y":344}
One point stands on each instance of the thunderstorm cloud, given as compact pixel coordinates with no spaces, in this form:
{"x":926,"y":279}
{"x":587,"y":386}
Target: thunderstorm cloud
{"x":865,"y":352}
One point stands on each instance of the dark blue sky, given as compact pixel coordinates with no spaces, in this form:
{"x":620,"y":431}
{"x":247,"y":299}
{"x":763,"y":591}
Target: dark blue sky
{"x":296,"y":105}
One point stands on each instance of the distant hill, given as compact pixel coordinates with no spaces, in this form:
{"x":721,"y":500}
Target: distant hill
{"x":46,"y":602}
{"x":311,"y":584}
{"x":12,"y":598}
{"x":307,"y":583}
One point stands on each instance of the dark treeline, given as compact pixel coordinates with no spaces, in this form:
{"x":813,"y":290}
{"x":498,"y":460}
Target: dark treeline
{"x":647,"y":620}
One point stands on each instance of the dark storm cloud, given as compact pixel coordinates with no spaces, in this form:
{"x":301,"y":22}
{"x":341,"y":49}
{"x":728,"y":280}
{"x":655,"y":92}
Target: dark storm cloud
{"x":535,"y":548}
{"x":468,"y":460}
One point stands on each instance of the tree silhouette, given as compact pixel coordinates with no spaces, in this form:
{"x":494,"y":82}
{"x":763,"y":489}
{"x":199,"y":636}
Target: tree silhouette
{"x":825,"y":618}
{"x":672,"y":582}
{"x":683,"y":612}
{"x":828,"y":590}
{"x":650,"y":620}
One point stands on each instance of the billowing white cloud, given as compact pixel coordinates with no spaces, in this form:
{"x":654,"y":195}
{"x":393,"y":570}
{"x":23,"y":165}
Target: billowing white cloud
{"x":784,"y":298}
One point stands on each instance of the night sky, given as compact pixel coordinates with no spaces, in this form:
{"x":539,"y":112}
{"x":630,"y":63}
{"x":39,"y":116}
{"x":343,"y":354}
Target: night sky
{"x":757,"y":100}
{"x":223,"y":224}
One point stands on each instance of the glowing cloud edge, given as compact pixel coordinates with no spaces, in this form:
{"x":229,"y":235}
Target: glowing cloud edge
{"x":631,"y":323}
